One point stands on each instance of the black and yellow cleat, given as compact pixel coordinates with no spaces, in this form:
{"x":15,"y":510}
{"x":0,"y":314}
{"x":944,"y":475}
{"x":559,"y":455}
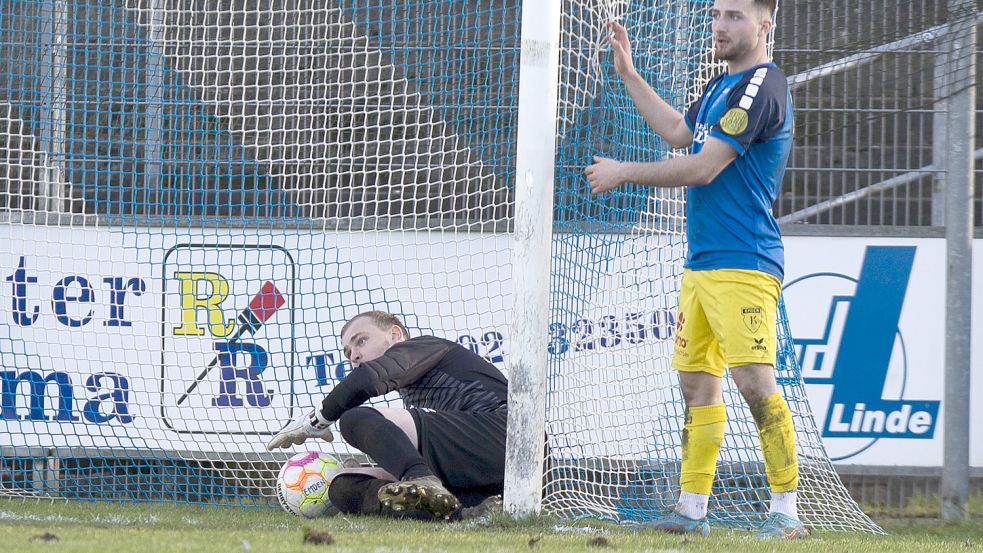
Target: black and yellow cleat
{"x":425,"y":493}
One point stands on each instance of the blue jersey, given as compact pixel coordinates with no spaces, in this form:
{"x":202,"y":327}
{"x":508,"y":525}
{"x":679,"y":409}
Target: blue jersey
{"x":729,"y":223}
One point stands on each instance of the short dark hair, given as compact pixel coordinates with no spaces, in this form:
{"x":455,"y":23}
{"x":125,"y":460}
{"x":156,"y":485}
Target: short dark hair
{"x":768,"y":5}
{"x":381,"y":319}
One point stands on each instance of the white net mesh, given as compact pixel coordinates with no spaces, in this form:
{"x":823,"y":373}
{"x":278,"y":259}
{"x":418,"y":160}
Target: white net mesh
{"x":615,"y":413}
{"x":198,"y":195}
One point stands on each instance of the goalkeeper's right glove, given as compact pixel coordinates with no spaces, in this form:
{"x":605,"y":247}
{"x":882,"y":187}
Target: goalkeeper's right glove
{"x":309,"y":425}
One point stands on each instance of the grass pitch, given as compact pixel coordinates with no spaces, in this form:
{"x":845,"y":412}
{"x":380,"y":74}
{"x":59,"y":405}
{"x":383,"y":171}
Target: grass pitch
{"x":31,"y":526}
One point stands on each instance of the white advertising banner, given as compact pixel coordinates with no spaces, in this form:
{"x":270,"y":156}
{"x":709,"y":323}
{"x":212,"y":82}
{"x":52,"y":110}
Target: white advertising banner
{"x":212,"y":340}
{"x":868,"y":320}
{"x":141,"y":339}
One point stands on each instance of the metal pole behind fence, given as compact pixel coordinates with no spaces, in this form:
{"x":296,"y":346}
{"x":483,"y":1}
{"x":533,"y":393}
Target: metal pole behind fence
{"x":53,"y":106}
{"x":940,"y":122}
{"x":155,"y":109}
{"x":959,"y":256}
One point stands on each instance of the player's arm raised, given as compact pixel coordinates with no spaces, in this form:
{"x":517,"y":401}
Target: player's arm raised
{"x":692,"y":170}
{"x":665,"y":120}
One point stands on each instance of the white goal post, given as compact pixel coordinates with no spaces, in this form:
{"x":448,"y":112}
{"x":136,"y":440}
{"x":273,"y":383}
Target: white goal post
{"x":532,"y":237}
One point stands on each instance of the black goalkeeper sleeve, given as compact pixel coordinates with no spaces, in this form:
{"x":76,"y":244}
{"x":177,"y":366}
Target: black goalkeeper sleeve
{"x":401,"y":365}
{"x":354,"y":390}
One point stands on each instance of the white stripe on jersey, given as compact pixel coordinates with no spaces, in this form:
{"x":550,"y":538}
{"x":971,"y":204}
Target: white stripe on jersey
{"x":752,"y":89}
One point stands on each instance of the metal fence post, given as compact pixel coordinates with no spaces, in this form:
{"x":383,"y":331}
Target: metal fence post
{"x":53,"y":120}
{"x":959,"y":256}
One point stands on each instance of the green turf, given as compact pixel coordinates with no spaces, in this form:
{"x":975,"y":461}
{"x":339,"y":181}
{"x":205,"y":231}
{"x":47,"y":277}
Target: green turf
{"x":42,"y":526}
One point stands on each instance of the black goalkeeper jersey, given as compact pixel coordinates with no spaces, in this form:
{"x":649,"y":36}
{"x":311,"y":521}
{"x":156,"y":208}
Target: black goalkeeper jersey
{"x":429,"y":373}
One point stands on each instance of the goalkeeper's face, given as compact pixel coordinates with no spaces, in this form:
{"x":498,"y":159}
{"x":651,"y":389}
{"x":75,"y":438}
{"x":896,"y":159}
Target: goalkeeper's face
{"x":364,"y":340}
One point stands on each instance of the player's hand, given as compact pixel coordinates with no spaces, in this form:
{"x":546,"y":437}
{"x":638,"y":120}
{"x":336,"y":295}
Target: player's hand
{"x":304,"y":427}
{"x":620,"y":49}
{"x":604,"y":175}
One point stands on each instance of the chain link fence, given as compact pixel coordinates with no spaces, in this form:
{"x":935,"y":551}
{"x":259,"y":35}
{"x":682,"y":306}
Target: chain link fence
{"x":868,"y":82}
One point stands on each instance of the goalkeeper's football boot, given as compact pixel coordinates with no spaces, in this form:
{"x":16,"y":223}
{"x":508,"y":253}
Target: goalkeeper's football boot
{"x":424,"y":493}
{"x":675,"y":523}
{"x":782,"y":526}
{"x":486,"y":509}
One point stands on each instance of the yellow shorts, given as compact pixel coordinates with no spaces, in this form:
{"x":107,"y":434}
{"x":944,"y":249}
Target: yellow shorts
{"x":726,"y":319}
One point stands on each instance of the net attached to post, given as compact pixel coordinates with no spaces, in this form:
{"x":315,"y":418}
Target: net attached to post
{"x":197,"y":197}
{"x":615,"y":412}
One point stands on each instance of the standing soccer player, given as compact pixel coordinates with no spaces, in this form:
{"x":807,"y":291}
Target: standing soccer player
{"x":445,"y":449}
{"x":740,"y":131}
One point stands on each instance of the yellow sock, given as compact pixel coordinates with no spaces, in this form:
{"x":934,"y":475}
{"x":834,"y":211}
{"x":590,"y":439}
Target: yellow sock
{"x":703,"y":433}
{"x":777,"y":436}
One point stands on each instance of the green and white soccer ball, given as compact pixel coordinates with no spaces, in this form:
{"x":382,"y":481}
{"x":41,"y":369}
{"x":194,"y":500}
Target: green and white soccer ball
{"x":303,"y":482}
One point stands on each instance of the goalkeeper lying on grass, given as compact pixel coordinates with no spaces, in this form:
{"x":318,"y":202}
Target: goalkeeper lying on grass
{"x":444,"y":450}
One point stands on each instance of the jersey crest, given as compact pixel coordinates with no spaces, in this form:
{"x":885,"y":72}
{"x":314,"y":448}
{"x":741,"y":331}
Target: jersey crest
{"x":734,"y":122}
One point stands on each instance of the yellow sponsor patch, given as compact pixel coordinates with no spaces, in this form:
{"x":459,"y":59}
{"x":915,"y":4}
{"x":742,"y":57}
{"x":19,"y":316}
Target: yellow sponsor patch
{"x":734,"y":121}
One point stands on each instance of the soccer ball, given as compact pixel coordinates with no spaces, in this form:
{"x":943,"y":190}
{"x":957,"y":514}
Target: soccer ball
{"x":302,"y":485}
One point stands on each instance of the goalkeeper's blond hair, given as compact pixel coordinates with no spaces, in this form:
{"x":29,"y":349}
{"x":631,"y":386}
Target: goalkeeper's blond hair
{"x":381,"y":319}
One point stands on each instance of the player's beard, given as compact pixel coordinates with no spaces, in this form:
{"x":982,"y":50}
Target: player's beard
{"x":734,"y":49}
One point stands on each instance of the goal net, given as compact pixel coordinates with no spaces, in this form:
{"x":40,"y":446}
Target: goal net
{"x":196,"y":196}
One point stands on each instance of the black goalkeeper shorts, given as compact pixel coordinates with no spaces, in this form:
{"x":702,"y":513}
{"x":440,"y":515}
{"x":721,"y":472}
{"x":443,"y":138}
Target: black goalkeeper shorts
{"x":465,"y":449}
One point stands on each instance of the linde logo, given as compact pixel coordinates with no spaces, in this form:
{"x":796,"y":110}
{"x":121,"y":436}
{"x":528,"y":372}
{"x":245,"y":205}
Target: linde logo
{"x":856,"y":353}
